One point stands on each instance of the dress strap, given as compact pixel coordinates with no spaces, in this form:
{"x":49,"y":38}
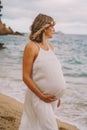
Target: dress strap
{"x":37,"y":46}
{"x":48,"y":46}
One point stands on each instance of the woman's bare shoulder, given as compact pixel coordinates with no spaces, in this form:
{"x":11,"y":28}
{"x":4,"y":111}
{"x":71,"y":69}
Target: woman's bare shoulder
{"x":31,"y":47}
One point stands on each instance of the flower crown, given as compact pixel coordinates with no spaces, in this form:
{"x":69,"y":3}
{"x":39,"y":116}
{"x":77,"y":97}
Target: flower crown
{"x":42,"y":28}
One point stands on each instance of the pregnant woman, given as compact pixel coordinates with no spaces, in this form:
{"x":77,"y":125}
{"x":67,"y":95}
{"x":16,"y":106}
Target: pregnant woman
{"x":43,"y":77}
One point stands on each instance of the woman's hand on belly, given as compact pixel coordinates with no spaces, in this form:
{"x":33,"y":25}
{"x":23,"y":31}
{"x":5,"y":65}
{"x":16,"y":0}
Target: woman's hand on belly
{"x":48,"y":98}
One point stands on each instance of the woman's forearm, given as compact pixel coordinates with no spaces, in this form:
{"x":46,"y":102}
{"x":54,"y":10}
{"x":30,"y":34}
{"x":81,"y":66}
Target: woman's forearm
{"x":32,"y":86}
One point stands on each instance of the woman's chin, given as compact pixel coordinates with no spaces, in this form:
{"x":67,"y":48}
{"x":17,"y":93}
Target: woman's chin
{"x":51,"y":36}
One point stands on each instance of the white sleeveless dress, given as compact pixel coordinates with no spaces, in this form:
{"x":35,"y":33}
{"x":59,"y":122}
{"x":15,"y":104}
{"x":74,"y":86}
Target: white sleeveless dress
{"x":48,"y":76}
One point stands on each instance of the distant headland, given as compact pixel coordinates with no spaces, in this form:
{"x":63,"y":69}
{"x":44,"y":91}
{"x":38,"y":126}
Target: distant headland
{"x":58,"y":32}
{"x":4,"y":30}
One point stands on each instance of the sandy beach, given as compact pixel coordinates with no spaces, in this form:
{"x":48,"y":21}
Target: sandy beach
{"x":11,"y":111}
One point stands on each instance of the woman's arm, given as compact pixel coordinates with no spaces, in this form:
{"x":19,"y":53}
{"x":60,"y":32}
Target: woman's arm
{"x":30,"y":53}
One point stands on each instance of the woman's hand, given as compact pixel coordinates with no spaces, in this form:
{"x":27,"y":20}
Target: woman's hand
{"x":59,"y":102}
{"x":48,"y":98}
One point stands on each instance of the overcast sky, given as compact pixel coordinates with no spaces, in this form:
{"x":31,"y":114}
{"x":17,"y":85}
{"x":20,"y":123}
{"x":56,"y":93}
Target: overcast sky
{"x":70,"y":15}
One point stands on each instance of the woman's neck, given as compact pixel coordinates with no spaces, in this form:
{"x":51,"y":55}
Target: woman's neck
{"x":44,"y":40}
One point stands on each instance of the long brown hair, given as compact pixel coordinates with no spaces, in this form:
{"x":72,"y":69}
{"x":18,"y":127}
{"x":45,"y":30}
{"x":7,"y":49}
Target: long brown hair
{"x":39,"y":24}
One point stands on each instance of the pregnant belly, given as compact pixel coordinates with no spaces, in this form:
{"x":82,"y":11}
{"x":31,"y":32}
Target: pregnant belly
{"x":54,"y":86}
{"x":50,"y":80}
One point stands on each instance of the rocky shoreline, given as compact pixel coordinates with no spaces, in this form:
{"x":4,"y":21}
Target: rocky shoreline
{"x":11,"y":111}
{"x":2,"y":46}
{"x":4,"y":30}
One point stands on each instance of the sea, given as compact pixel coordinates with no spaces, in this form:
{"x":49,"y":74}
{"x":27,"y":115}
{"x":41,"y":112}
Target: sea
{"x":71,"y":50}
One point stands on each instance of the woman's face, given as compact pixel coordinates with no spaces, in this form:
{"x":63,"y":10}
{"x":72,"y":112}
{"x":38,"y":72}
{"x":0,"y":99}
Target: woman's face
{"x":49,"y":32}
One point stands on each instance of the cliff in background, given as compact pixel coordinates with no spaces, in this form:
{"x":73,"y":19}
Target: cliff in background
{"x":4,"y":30}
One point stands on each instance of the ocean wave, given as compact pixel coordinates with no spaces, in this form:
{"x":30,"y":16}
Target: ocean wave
{"x":73,"y":60}
{"x":76,"y":74}
{"x":76,"y":83}
{"x":67,"y":68}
